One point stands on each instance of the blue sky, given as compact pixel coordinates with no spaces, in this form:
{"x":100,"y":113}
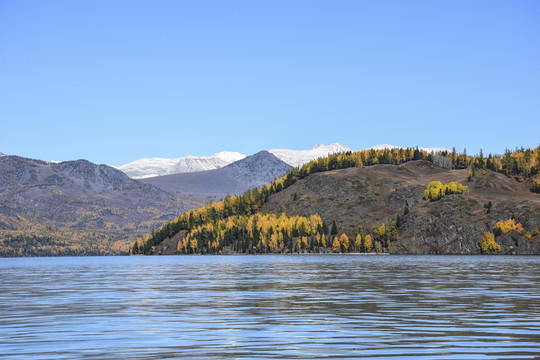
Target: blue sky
{"x":115,"y":81}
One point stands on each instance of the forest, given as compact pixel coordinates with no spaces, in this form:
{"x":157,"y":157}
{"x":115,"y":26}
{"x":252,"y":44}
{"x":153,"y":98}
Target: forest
{"x":234,"y":223}
{"x":63,"y":242}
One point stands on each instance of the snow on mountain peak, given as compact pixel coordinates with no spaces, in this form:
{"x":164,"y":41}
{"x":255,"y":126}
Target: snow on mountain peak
{"x":300,"y":157}
{"x":229,"y":156}
{"x":150,"y":167}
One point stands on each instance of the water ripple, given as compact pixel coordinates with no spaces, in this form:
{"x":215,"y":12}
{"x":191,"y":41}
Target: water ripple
{"x":279,"y":307}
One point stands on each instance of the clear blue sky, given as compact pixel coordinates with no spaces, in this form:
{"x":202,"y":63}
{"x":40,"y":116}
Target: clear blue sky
{"x":115,"y":81}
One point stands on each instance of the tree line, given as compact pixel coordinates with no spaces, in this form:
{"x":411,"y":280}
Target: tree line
{"x":277,"y":233}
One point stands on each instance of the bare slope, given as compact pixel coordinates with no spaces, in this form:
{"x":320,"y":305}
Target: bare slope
{"x":453,"y":224}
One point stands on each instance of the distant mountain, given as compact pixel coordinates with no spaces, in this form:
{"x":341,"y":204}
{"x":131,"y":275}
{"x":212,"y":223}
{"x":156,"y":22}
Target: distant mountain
{"x":152,"y":167}
{"x":252,"y":171}
{"x":76,"y":207}
{"x":390,"y":147}
{"x":300,"y":157}
{"x":2,"y":154}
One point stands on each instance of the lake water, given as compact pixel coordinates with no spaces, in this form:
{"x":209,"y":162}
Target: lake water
{"x":275,"y":306}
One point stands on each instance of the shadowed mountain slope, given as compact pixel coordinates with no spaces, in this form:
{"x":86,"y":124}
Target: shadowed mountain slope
{"x":76,"y":207}
{"x":253,"y":171}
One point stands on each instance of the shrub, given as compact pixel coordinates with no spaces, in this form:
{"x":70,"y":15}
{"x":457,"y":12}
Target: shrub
{"x":536,"y":185}
{"x":487,"y":243}
{"x":436,"y":190}
{"x":503,"y":227}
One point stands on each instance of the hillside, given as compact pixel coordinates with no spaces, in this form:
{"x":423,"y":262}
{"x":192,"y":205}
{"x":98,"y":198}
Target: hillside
{"x":453,"y":224}
{"x":76,"y":207}
{"x":373,"y":201}
{"x":253,"y":171}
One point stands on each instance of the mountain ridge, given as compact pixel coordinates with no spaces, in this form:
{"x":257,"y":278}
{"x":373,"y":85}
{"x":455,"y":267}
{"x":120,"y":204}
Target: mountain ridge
{"x":252,"y":171}
{"x":153,"y":167}
{"x":44,"y":203}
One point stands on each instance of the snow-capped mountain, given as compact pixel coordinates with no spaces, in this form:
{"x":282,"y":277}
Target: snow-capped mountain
{"x":150,"y":167}
{"x":390,"y":147}
{"x":2,"y":154}
{"x":300,"y":157}
{"x":234,"y":179}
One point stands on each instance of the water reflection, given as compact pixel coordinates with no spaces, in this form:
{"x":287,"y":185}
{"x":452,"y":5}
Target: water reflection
{"x":302,"y":306}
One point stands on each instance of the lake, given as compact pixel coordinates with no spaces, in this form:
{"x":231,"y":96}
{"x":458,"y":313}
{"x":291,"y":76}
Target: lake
{"x":270,"y":306}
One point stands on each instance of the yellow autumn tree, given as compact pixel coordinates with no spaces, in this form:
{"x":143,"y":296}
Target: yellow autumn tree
{"x":273,"y":242}
{"x":487,"y":243}
{"x":503,"y":227}
{"x":368,"y":243}
{"x":193,"y":244}
{"x":358,"y":242}
{"x":336,"y":246}
{"x":436,"y":190}
{"x":344,"y":242}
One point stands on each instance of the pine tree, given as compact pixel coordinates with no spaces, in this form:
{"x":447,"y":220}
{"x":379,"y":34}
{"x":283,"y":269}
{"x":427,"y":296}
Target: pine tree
{"x":324,"y":228}
{"x":334,"y":230}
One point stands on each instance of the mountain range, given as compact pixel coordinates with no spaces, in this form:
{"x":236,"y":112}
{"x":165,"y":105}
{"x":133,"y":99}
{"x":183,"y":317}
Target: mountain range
{"x":77,"y":207}
{"x":234,"y":179}
{"x":152,"y":167}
